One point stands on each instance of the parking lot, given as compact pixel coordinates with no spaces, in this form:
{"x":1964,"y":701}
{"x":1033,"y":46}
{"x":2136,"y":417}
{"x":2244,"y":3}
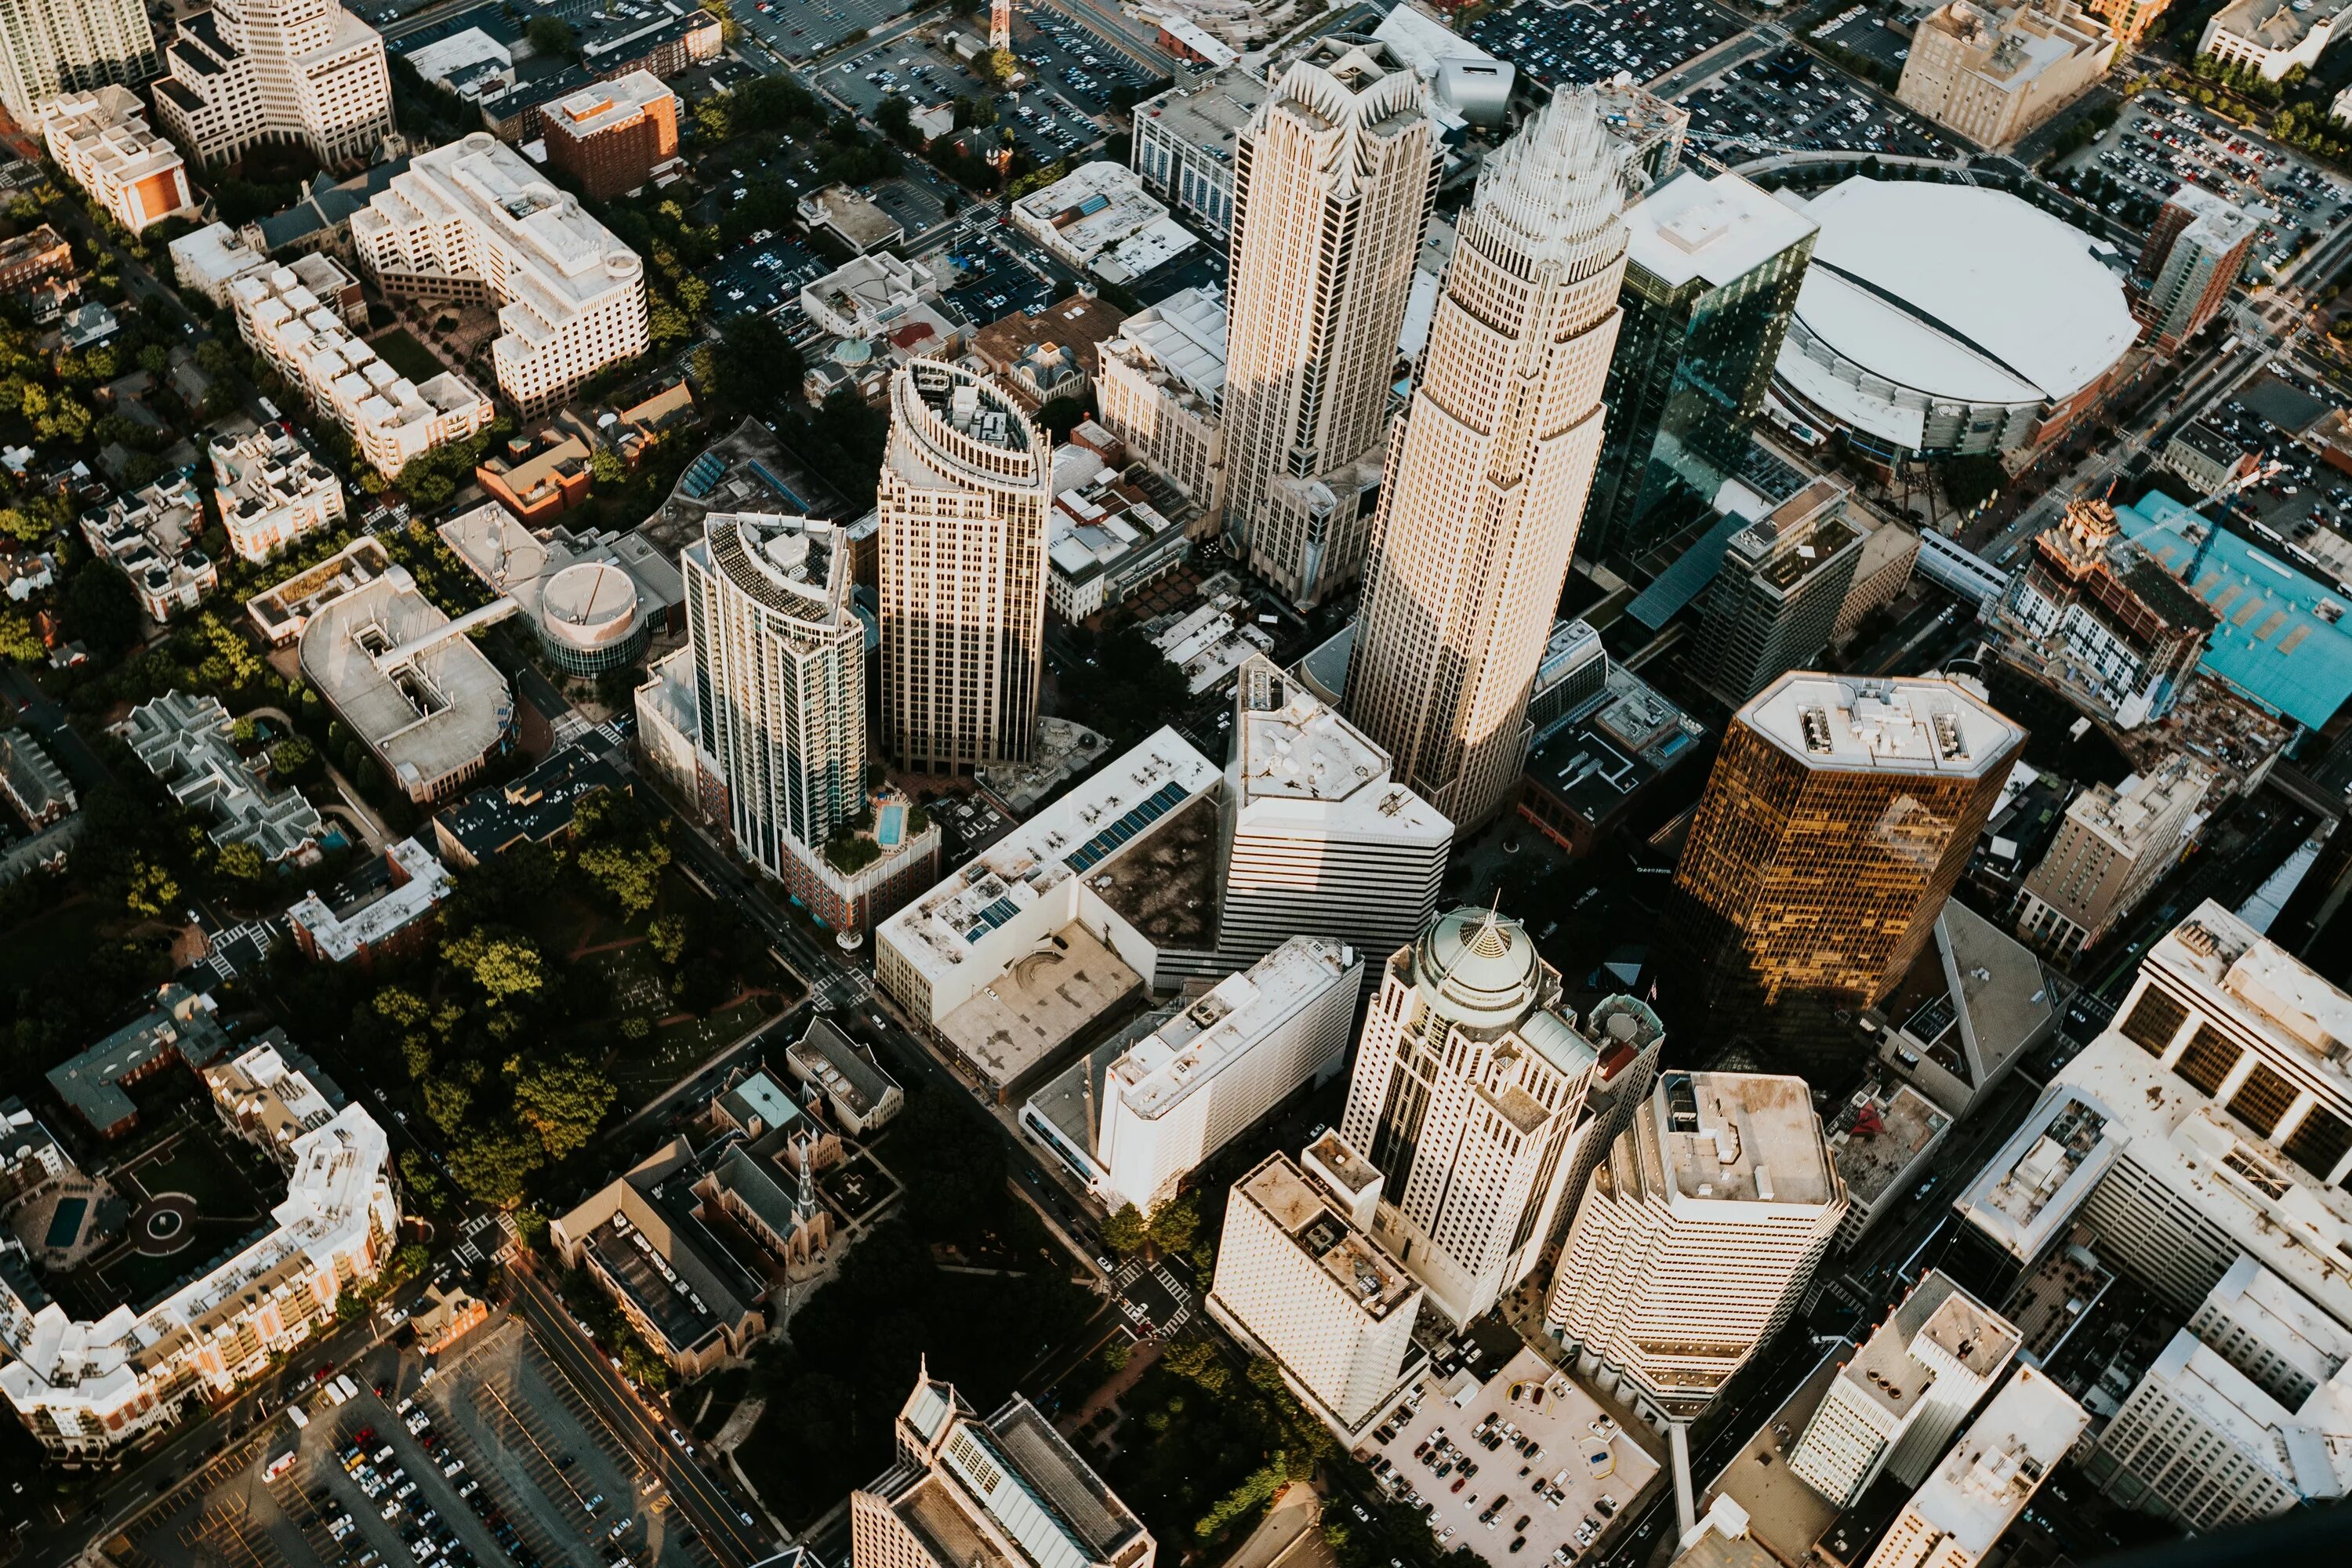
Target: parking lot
{"x":1791,"y":101}
{"x":1530,"y":1465}
{"x":2160,"y":142}
{"x":992,"y":282}
{"x":802,"y":29}
{"x":498,"y":1461}
{"x":759,"y":277}
{"x":1594,"y":41}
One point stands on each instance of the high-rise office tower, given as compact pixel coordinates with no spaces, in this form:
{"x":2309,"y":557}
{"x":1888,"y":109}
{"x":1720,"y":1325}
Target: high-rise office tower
{"x":1487,"y":474}
{"x":1315,"y":835}
{"x":2114,"y":845}
{"x":1712,"y":268}
{"x":1838,"y":818}
{"x":1693,"y":1241}
{"x":1332,"y":187}
{"x":966,"y":484}
{"x":779,"y":680}
{"x":249,"y":72}
{"x":1894,"y":1406}
{"x":1300,"y":1277}
{"x":2194,"y":256}
{"x":1987,"y":1479}
{"x":1784,"y":578}
{"x":53,"y":46}
{"x":1469,"y":1095}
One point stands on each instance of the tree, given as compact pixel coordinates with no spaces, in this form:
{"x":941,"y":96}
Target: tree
{"x":447,"y":1101}
{"x":1173,"y":1224}
{"x":26,"y":527}
{"x":150,"y":890}
{"x":1124,"y":1232}
{"x":754,"y":368}
{"x":505,"y":966}
{"x":994,"y":66}
{"x":102,"y":609}
{"x":562,"y":1101}
{"x":667,"y":937}
{"x":621,"y":851}
{"x":895,"y":119}
{"x":606,"y":467}
{"x":242,"y":862}
{"x":18,"y":639}
{"x":290,"y":756}
{"x":731,"y":31}
{"x":493,"y":1164}
{"x":555,"y":36}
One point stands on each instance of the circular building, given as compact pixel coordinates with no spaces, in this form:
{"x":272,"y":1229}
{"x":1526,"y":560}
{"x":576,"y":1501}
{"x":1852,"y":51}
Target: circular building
{"x":1938,"y":320}
{"x":588,"y":619}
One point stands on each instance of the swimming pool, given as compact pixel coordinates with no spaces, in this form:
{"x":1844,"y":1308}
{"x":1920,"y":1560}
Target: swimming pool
{"x":65,"y":1225}
{"x":889,"y":825}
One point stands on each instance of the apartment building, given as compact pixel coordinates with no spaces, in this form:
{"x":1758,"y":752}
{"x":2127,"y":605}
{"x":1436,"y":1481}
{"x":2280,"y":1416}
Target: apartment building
{"x":101,"y":141}
{"x":966,"y":484}
{"x":247,"y":72}
{"x":391,"y":419}
{"x":1987,"y":1479}
{"x":2195,"y":255}
{"x":1316,"y":834}
{"x":1185,"y":143}
{"x":1300,"y":1279}
{"x":270,"y":491}
{"x":1159,"y":387}
{"x":1694,"y":1237}
{"x":1992,"y":72}
{"x":1469,"y":1097}
{"x":49,"y":49}
{"x":1784,"y":580}
{"x":473,"y":220}
{"x":610,"y":137}
{"x":2117,"y":842}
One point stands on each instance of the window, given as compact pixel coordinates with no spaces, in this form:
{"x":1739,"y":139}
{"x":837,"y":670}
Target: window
{"x":2207,"y":1059}
{"x":2318,"y":1142}
{"x":2262,"y":1100}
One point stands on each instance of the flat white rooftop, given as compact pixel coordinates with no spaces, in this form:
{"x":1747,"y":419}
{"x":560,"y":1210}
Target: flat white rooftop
{"x":1993,"y":1471}
{"x":1185,"y":336}
{"x":1715,"y":228}
{"x":595,"y":109}
{"x":1884,"y":1369}
{"x":1163,"y":1068}
{"x":1318,"y":1227}
{"x":1295,"y":756}
{"x":2032,"y":1187}
{"x":1730,"y":1137}
{"x":2233,"y":969}
{"x":1900,"y":724}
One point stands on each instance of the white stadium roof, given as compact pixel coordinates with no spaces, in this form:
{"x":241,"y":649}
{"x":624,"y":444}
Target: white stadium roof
{"x":1962,"y":292}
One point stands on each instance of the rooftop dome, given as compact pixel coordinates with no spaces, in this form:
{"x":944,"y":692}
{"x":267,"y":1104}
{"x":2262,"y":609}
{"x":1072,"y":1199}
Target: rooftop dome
{"x":1477,"y":967}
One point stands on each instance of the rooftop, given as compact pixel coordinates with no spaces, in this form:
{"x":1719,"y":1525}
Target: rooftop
{"x":952,"y":427}
{"x":2235,"y":971}
{"x":1597,"y":757}
{"x":2314,"y":1462}
{"x":2031,"y":1188}
{"x":1377,"y":1282}
{"x":1885,"y":1370}
{"x":1741,"y":1138}
{"x":1021,"y":1021}
{"x":1098,"y":214}
{"x":1710,"y":229}
{"x":1973,"y":999}
{"x":1901,"y":724}
{"x":845,"y":1069}
{"x":1166,"y":886}
{"x":618,"y":101}
{"x":281,"y":612}
{"x":2124,"y":814}
{"x":417,"y":882}
{"x":532,"y":809}
{"x":185,"y":743}
{"x":1296,"y":759}
{"x":180,"y":1025}
{"x":2276,"y":24}
{"x":1161,"y":1069}
{"x":2216,"y":224}
{"x":406,"y":678}
{"x":1999,"y":1460}
{"x":1182,"y":342}
{"x":1209,"y":113}
{"x":1900,"y":1125}
{"x":1785,"y":1515}
{"x":275,"y":1090}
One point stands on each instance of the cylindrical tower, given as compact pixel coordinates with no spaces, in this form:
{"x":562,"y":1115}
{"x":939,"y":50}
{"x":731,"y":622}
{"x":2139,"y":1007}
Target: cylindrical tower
{"x":1487,"y":473}
{"x":965,"y":486}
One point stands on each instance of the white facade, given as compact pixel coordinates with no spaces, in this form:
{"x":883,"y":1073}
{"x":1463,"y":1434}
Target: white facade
{"x":89,"y":1389}
{"x":779,"y":680}
{"x":1469,"y":1090}
{"x":1210,"y":1068}
{"x":252,"y":71}
{"x":867,"y":294}
{"x":1693,"y":1240}
{"x":1488,"y":474}
{"x":48,"y":49}
{"x":1185,"y":140}
{"x":966,"y":483}
{"x":474,"y":220}
{"x":1159,"y":385}
{"x":1985,"y":1482}
{"x":101,"y":142}
{"x":2270,"y":39}
{"x":1333,"y":183}
{"x":2117,"y":842}
{"x":2257,"y":1323}
{"x":271,"y":490}
{"x":1298,"y":1277}
{"x":389,"y":417}
{"x":1895,"y":1406}
{"x":1100,"y":219}
{"x":208,"y":260}
{"x":1317,"y":835}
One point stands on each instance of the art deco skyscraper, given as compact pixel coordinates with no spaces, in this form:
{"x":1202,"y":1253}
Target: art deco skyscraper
{"x":1487,"y":473}
{"x":966,"y":484}
{"x":53,"y":46}
{"x":1332,"y":184}
{"x":1839,"y":815}
{"x":1470,"y":1094}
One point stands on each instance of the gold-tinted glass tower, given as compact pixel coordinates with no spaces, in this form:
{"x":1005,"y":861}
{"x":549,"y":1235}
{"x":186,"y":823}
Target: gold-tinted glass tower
{"x":1839,"y":815}
{"x":1487,"y":473}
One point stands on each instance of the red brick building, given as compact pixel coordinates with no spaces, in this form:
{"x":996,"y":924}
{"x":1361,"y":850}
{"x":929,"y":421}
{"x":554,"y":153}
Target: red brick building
{"x":610,"y":137}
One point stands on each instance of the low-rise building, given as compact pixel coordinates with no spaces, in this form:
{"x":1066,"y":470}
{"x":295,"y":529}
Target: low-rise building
{"x":2206,"y":458}
{"x":1300,"y":1277}
{"x":427,"y":702}
{"x":867,"y":295}
{"x":1601,"y":752}
{"x":179,"y":1029}
{"x":852,"y":218}
{"x":1159,"y":383}
{"x":1972,"y":1004}
{"x":537,"y":808}
{"x":284,"y":314}
{"x":537,"y":479}
{"x":1985,"y":1482}
{"x":271,"y":1095}
{"x":1883,"y":1140}
{"x":593,"y":600}
{"x":1049,"y":354}
{"x":858,"y":1095}
{"x":151,"y":540}
{"x":32,"y":780}
{"x":392,"y":914}
{"x":2117,"y":841}
{"x":101,"y":142}
{"x":1184,"y":141}
{"x":2270,"y":39}
{"x":610,"y":138}
{"x":184,"y":741}
{"x":1992,"y":72}
{"x":669,"y":738}
{"x":1100,"y":219}
{"x":1105,"y":542}
{"x":270,"y":492}
{"x":87,"y":1389}
{"x":206,"y":260}
{"x":280,"y":613}
{"x":32,"y":258}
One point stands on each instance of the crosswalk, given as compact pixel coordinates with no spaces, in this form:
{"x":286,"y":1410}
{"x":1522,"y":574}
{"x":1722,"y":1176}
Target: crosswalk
{"x":238,"y":945}
{"x":477,"y":1240}
{"x":611,"y":731}
{"x":569,"y":726}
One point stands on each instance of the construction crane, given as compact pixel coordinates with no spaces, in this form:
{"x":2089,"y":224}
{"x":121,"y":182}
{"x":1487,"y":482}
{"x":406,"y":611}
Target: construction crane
{"x":2228,"y":487}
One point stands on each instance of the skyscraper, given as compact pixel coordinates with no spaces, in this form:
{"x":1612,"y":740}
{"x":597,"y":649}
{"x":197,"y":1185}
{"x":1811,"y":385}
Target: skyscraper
{"x":1693,"y":1240}
{"x":2195,"y":254}
{"x":779,"y":684}
{"x":1469,"y":1096}
{"x":1316,"y":837}
{"x":53,"y":46}
{"x":966,"y":483}
{"x":248,"y":71}
{"x":1712,"y":268}
{"x":1784,"y":579}
{"x":1839,"y":816}
{"x":1332,"y":187}
{"x":1487,"y":473}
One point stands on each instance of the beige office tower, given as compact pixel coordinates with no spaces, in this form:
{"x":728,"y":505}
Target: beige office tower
{"x":966,"y":484}
{"x":1487,"y":473}
{"x":53,"y":46}
{"x":1697,"y":1235}
{"x":1332,"y":184}
{"x":1987,"y":1479}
